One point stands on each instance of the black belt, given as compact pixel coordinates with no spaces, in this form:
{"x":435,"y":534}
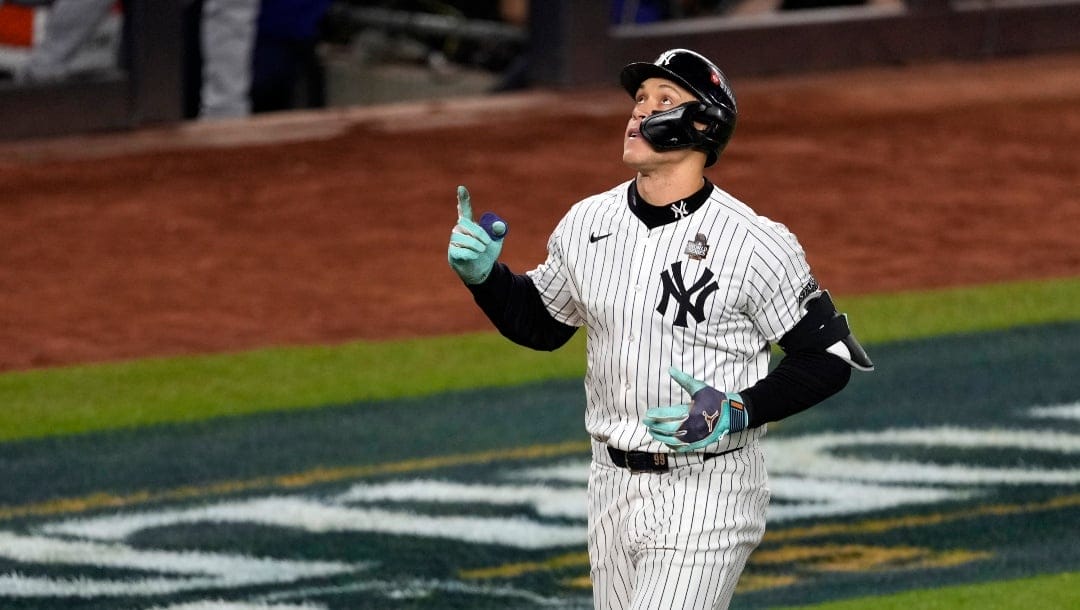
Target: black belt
{"x":643,"y":461}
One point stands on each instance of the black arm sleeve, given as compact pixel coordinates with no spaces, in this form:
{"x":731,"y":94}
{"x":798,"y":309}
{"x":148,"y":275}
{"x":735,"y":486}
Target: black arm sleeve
{"x":514,"y":306}
{"x":800,"y":381}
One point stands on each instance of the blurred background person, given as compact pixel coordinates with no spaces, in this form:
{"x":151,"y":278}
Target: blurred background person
{"x":228,"y":39}
{"x":220,"y":40}
{"x":70,"y":25}
{"x":639,"y":11}
{"x":287,"y":71}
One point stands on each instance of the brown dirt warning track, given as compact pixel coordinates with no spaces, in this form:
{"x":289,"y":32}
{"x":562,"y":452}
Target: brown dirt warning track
{"x":324,"y":227}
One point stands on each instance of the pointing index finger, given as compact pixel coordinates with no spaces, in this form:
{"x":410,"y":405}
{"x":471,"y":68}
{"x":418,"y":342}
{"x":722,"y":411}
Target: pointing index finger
{"x":464,"y":203}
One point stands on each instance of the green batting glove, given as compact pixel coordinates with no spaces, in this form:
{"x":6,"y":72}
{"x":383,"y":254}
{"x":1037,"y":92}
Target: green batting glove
{"x":474,"y":248}
{"x":709,"y":417}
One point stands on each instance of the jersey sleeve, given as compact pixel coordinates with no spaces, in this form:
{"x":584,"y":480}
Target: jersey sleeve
{"x":778,"y":281}
{"x":554,"y":281}
{"x":514,"y":306}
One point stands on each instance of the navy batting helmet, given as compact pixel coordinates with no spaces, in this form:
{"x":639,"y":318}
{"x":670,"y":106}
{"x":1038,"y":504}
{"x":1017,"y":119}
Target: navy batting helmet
{"x":674,"y":129}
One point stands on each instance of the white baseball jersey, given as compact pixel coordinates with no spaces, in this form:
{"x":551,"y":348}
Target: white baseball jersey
{"x":705,"y":293}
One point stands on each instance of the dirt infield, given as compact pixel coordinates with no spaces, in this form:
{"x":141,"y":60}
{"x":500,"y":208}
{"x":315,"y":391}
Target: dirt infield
{"x":317,"y":228}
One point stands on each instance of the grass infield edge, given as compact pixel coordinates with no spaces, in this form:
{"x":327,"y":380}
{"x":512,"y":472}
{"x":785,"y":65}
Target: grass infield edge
{"x":1049,"y":591}
{"x":75,"y":399}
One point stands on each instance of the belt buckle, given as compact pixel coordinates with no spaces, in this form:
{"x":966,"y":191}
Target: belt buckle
{"x":639,"y":462}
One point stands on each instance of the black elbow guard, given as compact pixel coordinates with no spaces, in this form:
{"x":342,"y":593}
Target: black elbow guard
{"x":823,"y":329}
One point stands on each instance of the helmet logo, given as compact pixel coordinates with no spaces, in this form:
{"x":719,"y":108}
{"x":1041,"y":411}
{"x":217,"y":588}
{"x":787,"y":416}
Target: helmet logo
{"x":715,"y":78}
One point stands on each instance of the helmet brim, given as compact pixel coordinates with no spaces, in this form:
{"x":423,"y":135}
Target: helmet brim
{"x":636,"y":73}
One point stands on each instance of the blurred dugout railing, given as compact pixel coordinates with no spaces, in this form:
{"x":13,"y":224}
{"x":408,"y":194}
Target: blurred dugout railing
{"x":569,"y":43}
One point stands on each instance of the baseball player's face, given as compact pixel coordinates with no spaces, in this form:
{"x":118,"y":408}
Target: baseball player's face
{"x":654,"y":95}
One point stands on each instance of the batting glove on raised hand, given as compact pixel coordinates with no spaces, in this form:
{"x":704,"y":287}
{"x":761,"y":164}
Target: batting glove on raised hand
{"x":474,"y":247}
{"x":709,"y":417}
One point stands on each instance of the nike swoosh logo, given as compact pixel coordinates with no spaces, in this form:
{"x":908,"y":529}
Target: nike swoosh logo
{"x":593,"y":237}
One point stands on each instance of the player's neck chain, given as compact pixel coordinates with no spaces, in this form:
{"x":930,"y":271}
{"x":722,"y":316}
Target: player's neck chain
{"x":658,"y":215}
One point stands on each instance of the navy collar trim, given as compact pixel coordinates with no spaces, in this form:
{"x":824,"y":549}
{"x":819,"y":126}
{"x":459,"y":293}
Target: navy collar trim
{"x":658,"y":215}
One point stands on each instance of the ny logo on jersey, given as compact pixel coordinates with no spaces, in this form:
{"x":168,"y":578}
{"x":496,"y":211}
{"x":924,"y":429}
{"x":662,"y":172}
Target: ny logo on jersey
{"x":688,"y":303}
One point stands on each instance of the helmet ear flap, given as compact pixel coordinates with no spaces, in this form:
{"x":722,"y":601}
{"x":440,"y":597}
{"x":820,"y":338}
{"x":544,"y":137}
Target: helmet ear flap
{"x":719,"y":114}
{"x":677,"y":128}
{"x":672,"y":129}
{"x":719,"y":126}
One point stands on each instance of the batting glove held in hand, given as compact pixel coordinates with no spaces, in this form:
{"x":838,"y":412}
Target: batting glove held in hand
{"x":709,"y":417}
{"x":474,"y":248}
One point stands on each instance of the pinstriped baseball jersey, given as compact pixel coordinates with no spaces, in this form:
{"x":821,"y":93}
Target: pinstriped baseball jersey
{"x":705,"y":293}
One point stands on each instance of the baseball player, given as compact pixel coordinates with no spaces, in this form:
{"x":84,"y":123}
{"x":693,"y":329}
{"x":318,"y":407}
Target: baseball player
{"x":681,"y":289}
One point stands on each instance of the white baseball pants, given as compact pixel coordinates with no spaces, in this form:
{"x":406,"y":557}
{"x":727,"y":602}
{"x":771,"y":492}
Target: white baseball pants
{"x":677,"y":539}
